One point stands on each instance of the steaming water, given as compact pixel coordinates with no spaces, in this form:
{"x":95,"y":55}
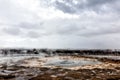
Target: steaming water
{"x":61,"y":62}
{"x":11,"y":58}
{"x":52,"y":61}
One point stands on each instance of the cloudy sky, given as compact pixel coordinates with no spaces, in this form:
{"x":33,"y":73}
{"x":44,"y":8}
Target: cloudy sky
{"x":76,"y":24}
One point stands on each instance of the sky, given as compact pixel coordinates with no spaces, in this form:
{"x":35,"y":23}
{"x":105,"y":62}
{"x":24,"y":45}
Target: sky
{"x":75,"y":24}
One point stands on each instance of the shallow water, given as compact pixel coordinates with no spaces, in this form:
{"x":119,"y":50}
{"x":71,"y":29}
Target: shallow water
{"x":56,"y":61}
{"x":48,"y":61}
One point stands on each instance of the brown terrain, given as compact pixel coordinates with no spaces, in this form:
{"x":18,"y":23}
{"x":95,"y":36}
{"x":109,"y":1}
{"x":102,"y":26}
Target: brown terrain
{"x":33,"y":69}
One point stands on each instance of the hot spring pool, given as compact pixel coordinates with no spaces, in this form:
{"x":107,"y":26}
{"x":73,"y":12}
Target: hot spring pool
{"x":69,"y":62}
{"x":41,"y":61}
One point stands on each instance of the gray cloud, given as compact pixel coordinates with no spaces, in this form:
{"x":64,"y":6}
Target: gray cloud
{"x":67,"y":29}
{"x":40,"y":23}
{"x":65,"y":8}
{"x":69,"y":6}
{"x":33,"y":34}
{"x":28,"y":25}
{"x":100,"y":31}
{"x":12,"y":31}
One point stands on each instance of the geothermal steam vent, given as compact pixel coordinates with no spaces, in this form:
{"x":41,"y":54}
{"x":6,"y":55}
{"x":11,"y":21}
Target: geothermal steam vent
{"x":68,"y":61}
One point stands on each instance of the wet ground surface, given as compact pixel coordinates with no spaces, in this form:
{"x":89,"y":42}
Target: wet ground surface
{"x":39,"y":67}
{"x":106,"y":56}
{"x":22,"y":73}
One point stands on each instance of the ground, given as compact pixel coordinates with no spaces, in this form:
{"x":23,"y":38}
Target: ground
{"x":34,"y":68}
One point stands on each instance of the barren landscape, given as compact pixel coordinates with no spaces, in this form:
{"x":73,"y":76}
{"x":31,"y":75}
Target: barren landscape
{"x":51,"y":65}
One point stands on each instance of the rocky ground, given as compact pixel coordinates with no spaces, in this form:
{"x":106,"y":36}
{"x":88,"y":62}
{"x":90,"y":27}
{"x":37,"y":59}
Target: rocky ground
{"x":107,"y":70}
